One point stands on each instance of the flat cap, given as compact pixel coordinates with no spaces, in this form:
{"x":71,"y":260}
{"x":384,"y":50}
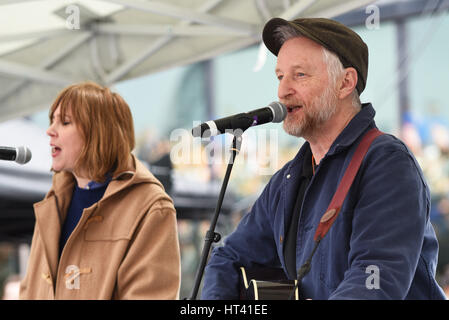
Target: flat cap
{"x":332,"y":35}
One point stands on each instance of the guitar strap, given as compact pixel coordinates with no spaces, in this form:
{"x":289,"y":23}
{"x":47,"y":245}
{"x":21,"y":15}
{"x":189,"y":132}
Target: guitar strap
{"x":337,"y":201}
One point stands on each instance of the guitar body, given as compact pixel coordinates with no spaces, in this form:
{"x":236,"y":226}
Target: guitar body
{"x":266,"y":284}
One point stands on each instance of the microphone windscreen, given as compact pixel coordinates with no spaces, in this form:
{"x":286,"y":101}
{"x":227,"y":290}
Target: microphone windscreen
{"x":279,"y":111}
{"x":23,"y":155}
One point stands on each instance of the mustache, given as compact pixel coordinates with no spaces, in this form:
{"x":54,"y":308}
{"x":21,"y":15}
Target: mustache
{"x":292,"y":102}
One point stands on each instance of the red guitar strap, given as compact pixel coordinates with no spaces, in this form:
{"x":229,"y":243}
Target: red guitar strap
{"x":334,"y":207}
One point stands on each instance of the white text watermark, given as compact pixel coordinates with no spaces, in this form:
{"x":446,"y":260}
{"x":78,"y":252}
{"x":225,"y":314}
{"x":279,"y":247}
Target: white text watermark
{"x":259,"y":149}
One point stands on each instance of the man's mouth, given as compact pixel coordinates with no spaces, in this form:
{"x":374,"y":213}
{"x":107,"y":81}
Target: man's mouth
{"x":293,"y":108}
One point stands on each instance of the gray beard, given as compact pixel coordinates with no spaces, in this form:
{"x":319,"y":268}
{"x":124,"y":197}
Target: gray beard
{"x":323,"y":107}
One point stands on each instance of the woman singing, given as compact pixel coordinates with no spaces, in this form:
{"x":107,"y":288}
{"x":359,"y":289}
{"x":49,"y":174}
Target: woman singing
{"x":106,"y":229}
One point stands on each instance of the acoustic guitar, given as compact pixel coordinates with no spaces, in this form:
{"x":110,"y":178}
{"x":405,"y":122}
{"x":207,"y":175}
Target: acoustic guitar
{"x":266,"y":284}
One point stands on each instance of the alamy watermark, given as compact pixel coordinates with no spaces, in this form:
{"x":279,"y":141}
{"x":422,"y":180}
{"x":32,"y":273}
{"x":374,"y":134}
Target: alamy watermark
{"x":72,"y":280}
{"x":372,"y":22}
{"x":373,"y":280}
{"x":72,"y":21}
{"x":259,"y":149}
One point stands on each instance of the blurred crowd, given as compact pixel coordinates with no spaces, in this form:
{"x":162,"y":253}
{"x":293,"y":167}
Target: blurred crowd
{"x":428,"y":138}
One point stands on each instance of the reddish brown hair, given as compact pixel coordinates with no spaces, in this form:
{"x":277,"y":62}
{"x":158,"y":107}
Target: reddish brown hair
{"x":106,"y":124}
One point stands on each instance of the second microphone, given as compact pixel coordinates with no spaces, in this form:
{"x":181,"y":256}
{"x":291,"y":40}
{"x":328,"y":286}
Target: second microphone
{"x":274,"y":112}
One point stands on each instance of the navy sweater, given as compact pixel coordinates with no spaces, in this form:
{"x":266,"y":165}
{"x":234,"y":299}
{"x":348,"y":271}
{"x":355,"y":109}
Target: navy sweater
{"x":81,"y":199}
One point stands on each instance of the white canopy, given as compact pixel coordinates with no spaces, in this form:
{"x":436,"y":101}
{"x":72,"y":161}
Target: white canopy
{"x":46,"y":45}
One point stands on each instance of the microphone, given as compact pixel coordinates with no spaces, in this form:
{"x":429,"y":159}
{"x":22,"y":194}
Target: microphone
{"x":20,"y":155}
{"x":274,"y":112}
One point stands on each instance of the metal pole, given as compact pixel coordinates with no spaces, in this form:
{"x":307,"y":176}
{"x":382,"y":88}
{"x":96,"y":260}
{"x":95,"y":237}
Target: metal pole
{"x":403,"y":69}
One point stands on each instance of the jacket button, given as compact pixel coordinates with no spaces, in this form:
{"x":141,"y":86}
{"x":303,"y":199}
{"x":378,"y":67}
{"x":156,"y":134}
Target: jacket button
{"x":288,"y":176}
{"x":46,"y":277}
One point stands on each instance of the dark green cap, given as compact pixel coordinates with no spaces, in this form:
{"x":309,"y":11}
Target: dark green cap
{"x":332,"y":35}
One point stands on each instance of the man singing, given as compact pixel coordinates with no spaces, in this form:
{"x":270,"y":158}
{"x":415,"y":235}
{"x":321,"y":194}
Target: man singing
{"x":383,"y":223}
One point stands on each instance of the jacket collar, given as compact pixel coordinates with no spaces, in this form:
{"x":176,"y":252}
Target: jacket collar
{"x":355,"y":128}
{"x":135,"y":173}
{"x":363,"y":120}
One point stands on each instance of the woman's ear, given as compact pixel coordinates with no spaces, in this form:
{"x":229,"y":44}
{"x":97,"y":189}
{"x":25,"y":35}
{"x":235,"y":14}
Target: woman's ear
{"x":349,"y":83}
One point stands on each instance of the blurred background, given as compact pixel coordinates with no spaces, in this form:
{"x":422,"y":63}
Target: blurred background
{"x":178,"y":63}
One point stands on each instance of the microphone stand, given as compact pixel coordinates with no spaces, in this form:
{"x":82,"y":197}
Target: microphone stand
{"x":211,"y":235}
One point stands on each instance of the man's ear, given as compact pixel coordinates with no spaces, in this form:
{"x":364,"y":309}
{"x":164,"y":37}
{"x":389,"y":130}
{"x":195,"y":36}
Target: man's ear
{"x":348,"y":83}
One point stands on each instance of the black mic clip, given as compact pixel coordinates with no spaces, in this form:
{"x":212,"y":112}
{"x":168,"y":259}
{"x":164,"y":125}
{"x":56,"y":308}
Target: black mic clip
{"x":212,"y":236}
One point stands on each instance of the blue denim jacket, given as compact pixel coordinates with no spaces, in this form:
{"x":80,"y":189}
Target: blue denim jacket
{"x":383,"y":226}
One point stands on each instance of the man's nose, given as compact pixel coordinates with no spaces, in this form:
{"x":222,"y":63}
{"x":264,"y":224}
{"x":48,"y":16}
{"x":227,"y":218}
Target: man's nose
{"x":285,"y":88}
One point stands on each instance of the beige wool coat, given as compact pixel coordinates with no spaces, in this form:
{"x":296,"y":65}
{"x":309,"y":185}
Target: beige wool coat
{"x":124,"y":247}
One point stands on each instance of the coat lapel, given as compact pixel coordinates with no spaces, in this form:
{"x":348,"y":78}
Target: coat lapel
{"x":50,"y":214}
{"x":49,"y":223}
